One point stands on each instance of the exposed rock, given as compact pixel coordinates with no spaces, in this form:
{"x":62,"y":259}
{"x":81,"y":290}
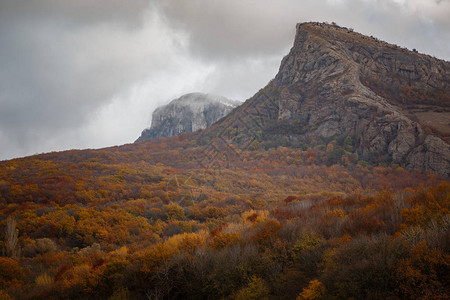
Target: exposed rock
{"x":189,"y":113}
{"x":336,"y":82}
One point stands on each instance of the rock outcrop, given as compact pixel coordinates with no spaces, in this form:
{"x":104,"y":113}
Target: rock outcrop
{"x":337,"y":83}
{"x":189,"y":113}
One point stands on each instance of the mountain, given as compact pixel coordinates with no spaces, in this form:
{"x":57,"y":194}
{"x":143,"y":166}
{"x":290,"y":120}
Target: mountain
{"x":189,"y":113}
{"x":295,"y":194}
{"x":340,"y":91}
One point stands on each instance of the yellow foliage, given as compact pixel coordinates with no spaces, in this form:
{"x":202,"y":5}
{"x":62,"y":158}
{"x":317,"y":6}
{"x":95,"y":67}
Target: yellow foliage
{"x":255,"y":216}
{"x":225,"y":239}
{"x":307,"y":242}
{"x":43,"y":280}
{"x":336,"y":212}
{"x":153,"y":257}
{"x":191,"y":241}
{"x":255,"y":290}
{"x":329,"y":259}
{"x":16,"y":190}
{"x":186,"y":241}
{"x":121,"y":252}
{"x":315,"y":290}
{"x":173,"y":211}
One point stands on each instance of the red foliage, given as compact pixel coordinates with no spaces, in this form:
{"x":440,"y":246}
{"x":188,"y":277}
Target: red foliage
{"x":218,"y":229}
{"x":61,"y":271}
{"x":289,"y":199}
{"x":99,"y":262}
{"x":252,"y":218}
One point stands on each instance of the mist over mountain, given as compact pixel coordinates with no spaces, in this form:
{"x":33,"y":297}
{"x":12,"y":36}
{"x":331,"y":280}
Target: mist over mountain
{"x":189,"y":113}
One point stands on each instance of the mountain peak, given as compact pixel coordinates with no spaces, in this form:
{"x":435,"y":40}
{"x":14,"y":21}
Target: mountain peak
{"x":333,"y":32}
{"x":188,"y":113}
{"x":335,"y":84}
{"x":201,"y":99}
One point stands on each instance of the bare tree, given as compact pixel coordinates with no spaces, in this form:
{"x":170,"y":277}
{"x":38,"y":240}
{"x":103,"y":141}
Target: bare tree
{"x":11,"y":247}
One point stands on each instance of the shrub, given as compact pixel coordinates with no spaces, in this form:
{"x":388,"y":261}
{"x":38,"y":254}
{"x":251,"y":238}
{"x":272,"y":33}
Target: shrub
{"x":314,"y":291}
{"x":45,"y":245}
{"x":255,"y":290}
{"x":173,"y":211}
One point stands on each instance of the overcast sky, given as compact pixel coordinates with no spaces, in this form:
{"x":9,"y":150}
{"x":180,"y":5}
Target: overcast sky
{"x":89,"y":73}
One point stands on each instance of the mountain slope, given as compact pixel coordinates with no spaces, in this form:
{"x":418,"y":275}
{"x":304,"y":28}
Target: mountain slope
{"x":188,"y":113}
{"x":212,"y":214}
{"x":338,"y":87}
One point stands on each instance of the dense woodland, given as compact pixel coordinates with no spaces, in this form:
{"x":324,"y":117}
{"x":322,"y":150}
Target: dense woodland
{"x":155,"y":220}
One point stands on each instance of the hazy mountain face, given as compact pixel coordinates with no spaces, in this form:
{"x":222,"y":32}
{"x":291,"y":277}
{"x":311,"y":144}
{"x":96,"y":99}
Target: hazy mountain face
{"x":189,"y":113}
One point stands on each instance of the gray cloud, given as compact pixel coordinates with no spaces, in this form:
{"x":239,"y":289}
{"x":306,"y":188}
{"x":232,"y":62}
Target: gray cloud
{"x":56,"y":73}
{"x":75,"y":13}
{"x":225,"y":29}
{"x":77,"y":74}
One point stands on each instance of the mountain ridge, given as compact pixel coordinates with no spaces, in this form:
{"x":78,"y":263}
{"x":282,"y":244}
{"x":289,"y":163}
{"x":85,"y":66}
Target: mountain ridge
{"x":319,"y":93}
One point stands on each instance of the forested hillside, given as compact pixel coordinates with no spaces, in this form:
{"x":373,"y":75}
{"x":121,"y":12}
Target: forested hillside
{"x":326,"y":184}
{"x":143,"y":221}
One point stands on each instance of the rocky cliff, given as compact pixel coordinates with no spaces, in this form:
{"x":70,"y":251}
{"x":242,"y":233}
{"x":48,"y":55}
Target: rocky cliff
{"x":387,"y":103}
{"x":188,"y":113}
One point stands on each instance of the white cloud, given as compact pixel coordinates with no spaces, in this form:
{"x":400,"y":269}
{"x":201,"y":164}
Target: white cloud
{"x":122,"y":120}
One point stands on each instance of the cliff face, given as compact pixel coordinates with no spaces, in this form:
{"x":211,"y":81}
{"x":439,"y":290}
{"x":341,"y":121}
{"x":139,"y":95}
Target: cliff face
{"x":336,"y":83}
{"x":189,"y":113}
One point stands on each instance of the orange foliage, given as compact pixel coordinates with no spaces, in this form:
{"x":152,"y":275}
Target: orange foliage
{"x":10,"y":272}
{"x":137,"y":218}
{"x":224,"y":239}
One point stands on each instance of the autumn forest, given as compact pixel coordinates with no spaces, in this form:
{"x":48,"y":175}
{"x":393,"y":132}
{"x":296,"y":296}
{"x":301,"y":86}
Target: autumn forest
{"x":155,"y":220}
